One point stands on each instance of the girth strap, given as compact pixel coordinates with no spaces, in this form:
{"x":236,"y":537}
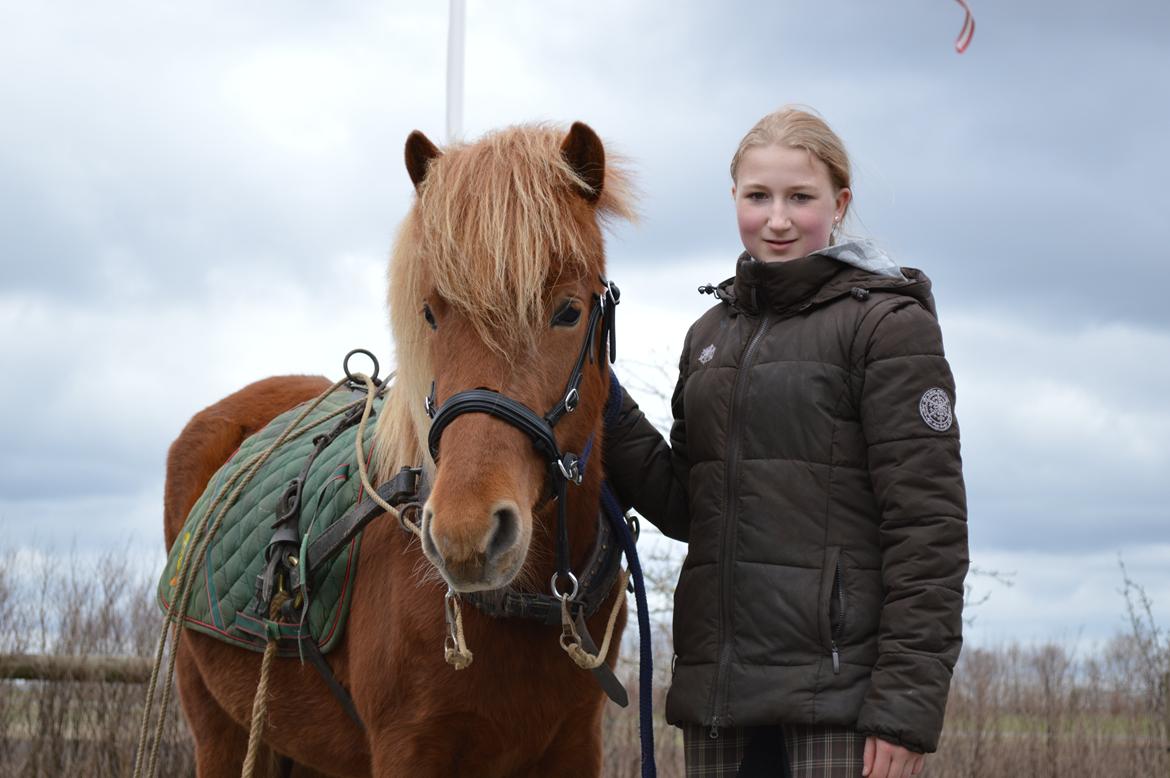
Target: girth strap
{"x":312,"y":652}
{"x":402,"y":488}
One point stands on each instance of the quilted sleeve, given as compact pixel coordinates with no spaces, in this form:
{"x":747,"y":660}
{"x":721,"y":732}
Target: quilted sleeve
{"x":644,"y":470}
{"x":907,"y":412}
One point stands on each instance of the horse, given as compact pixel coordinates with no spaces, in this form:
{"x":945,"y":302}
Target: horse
{"x":491,"y":280}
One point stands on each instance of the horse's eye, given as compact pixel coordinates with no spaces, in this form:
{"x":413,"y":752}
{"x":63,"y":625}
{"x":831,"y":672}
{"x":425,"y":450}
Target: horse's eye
{"x":568,"y":315}
{"x":429,"y":315}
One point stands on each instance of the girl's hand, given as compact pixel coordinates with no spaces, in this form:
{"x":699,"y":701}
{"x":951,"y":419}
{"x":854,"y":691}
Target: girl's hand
{"x":886,"y":760}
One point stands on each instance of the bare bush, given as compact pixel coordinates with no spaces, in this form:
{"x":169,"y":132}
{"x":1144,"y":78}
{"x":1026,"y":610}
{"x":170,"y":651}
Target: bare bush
{"x":1042,"y":710}
{"x":67,"y":608}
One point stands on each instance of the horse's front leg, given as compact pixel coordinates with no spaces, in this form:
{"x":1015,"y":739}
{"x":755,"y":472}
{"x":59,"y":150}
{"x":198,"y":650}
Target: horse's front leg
{"x":575,"y":749}
{"x":433,"y":749}
{"x":220,"y":743}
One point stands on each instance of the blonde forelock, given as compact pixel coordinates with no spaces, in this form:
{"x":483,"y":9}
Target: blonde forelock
{"x":496,"y":217}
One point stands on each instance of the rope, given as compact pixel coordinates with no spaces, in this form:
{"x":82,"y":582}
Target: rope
{"x":260,"y":701}
{"x":259,"y":709}
{"x":197,"y":549}
{"x":455,"y":650}
{"x":576,"y":652}
{"x":359,"y":448}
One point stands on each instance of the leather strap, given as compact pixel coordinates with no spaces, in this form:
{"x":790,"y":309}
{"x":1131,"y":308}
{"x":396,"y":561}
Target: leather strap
{"x":286,"y":536}
{"x":502,"y":407}
{"x":400,"y":489}
{"x":312,"y":652}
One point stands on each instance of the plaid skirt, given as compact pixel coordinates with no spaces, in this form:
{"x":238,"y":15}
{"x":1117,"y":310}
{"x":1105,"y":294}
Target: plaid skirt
{"x":788,"y":751}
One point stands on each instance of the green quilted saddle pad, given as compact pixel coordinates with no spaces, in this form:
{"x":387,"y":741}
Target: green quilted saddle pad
{"x":226,"y":582}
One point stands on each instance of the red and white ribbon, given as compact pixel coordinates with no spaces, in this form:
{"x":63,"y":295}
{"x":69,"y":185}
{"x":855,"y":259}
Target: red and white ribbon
{"x":964,"y":39}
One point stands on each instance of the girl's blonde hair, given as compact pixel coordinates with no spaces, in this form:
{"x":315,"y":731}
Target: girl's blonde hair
{"x":798,"y":128}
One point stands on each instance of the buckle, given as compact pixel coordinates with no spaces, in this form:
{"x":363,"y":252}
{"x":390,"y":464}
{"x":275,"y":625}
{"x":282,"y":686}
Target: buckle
{"x":572,"y":400}
{"x":290,"y":502}
{"x":429,"y":402}
{"x":570,"y":467}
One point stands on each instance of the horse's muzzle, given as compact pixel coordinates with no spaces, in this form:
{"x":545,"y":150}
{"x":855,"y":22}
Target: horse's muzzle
{"x":475,"y":553}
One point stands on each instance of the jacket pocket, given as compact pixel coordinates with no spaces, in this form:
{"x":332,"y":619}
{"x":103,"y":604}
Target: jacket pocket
{"x":832,"y":605}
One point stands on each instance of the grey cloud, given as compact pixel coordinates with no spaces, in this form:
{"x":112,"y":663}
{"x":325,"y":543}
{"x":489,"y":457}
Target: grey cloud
{"x":133,"y":162}
{"x":1036,"y":157}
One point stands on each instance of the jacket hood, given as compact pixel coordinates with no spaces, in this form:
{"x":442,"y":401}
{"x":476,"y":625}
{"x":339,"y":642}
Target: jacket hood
{"x":864,"y":255}
{"x":856,"y":267}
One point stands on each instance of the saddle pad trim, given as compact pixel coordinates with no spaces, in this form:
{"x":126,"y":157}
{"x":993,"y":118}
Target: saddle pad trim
{"x":256,"y":644}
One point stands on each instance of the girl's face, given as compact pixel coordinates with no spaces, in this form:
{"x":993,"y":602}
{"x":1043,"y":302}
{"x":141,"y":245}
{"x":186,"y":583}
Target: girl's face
{"x":785,"y":203}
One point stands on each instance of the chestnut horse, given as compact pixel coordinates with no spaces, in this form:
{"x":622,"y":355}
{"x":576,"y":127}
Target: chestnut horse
{"x":491,"y":282}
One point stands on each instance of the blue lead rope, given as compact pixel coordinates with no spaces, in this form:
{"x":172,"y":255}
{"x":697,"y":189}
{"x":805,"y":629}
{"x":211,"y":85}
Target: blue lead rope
{"x":617,"y":518}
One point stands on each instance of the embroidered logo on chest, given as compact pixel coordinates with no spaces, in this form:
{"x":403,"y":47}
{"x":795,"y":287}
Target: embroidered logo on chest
{"x":707,"y":354}
{"x":935,"y":408}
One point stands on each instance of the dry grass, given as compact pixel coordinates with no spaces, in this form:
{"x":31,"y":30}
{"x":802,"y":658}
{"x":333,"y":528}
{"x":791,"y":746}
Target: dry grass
{"x":1015,"y":710}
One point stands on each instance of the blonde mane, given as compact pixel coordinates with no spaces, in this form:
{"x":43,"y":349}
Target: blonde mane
{"x":491,"y":220}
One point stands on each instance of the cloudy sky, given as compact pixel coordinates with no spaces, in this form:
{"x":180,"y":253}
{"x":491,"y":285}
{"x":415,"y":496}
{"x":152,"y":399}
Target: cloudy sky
{"x":198,"y":195}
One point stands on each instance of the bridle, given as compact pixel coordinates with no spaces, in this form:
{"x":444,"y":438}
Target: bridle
{"x":564,"y":467}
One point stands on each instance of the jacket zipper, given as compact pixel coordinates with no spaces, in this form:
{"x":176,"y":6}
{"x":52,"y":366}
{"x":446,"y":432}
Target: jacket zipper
{"x":839,"y":627}
{"x":728,"y":545}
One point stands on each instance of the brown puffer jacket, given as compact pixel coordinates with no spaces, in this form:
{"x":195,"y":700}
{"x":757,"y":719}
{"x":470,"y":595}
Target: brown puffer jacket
{"x":814,"y":469}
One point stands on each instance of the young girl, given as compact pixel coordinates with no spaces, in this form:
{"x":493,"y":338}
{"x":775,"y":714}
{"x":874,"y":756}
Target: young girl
{"x":814,"y":469}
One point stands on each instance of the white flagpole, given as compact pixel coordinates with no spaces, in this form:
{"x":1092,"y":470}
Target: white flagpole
{"x":455,"y":35}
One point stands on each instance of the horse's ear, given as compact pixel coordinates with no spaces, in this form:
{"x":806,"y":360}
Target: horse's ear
{"x":583,"y":151}
{"x":419,"y":153}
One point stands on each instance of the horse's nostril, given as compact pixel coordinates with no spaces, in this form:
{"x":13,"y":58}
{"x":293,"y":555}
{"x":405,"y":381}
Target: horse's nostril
{"x":428,"y":542}
{"x":505,"y":531}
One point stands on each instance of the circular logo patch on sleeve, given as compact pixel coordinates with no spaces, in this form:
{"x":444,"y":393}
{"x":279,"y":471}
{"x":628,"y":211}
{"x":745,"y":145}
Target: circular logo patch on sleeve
{"x":935,"y":408}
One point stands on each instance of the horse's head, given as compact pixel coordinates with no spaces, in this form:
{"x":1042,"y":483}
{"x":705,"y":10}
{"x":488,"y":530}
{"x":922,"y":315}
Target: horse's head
{"x":497,"y":285}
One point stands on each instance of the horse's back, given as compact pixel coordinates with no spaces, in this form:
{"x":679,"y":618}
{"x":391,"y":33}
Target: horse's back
{"x":214,"y":433}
